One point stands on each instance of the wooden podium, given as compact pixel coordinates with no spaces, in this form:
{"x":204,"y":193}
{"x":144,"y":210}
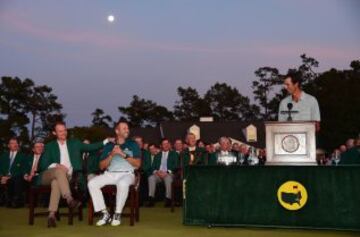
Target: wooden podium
{"x":290,"y":143}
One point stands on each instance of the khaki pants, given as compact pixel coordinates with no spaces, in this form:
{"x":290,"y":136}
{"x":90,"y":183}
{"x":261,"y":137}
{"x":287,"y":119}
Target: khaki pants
{"x":153,"y":180}
{"x":59,"y":182}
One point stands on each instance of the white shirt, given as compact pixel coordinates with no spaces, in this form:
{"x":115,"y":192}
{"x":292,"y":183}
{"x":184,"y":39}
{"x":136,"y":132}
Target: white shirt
{"x":164,"y":158}
{"x":13,"y":154}
{"x":36,"y":157}
{"x":192,"y":148}
{"x":64,"y":158}
{"x":224,"y":153}
{"x":35,"y":162}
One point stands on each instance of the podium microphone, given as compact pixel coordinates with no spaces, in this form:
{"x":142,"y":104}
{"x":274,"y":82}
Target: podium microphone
{"x":289,"y":106}
{"x":289,"y":111}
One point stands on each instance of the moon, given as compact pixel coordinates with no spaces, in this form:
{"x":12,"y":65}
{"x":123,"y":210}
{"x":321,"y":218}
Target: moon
{"x":111,"y":18}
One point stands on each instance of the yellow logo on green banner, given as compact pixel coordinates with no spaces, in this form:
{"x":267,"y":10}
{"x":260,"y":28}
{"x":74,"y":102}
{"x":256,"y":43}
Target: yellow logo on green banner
{"x":292,"y":195}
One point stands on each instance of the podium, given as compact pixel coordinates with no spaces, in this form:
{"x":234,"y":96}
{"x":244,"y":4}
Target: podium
{"x":290,"y":143}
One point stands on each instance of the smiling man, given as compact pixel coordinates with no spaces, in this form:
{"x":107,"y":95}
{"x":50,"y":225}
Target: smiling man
{"x":119,"y":160}
{"x":62,"y":157}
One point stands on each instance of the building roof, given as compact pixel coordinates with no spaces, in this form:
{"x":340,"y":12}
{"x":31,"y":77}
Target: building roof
{"x":210,"y":132}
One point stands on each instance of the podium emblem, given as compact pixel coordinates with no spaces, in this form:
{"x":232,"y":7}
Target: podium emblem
{"x":290,"y":143}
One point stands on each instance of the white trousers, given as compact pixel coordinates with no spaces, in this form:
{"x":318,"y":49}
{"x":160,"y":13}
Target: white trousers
{"x":122,"y":180}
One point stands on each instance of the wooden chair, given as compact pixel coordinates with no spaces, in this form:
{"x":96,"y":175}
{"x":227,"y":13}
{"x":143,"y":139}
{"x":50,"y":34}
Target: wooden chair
{"x":34,"y":192}
{"x":3,"y":193}
{"x":176,"y":187}
{"x":109,"y":192}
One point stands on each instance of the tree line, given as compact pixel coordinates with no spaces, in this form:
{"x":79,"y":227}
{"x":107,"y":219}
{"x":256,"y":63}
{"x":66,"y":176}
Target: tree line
{"x":28,"y":110}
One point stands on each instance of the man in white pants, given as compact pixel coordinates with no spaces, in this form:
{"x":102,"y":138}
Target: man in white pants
{"x":119,"y":160}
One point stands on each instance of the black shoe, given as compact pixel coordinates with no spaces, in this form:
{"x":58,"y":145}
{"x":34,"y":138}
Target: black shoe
{"x":51,"y":222}
{"x":151,"y":202}
{"x":167,"y":202}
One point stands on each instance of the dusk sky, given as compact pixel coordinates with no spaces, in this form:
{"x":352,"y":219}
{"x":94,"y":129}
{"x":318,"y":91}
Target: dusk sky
{"x":155,"y":46}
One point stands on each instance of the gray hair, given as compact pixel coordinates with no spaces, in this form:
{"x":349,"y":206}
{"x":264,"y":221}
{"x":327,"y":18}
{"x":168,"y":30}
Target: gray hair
{"x":223,"y":139}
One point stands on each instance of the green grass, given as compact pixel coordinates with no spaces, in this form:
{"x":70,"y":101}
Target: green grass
{"x":155,"y":222}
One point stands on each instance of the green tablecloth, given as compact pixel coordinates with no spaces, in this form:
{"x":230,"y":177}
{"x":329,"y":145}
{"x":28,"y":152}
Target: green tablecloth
{"x":247,"y":196}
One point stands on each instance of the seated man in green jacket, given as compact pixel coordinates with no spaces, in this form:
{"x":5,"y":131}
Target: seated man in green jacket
{"x":12,"y":168}
{"x":145,"y":154}
{"x":352,"y":155}
{"x":148,"y":160}
{"x":193,"y":155}
{"x":224,"y":156}
{"x":61,"y":158}
{"x":32,"y":162}
{"x":164,"y":165}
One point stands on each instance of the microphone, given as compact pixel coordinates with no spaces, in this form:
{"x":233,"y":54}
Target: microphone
{"x":289,"y":111}
{"x":289,"y":106}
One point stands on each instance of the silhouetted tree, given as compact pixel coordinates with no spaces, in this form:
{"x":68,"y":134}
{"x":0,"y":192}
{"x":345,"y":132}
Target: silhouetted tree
{"x":21,"y":100}
{"x":269,"y":77}
{"x":227,"y":104}
{"x":191,"y":105}
{"x":142,"y":112}
{"x":100,"y":119}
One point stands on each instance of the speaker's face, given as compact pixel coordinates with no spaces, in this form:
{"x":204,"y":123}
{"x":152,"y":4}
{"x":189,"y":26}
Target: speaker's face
{"x":289,"y":86}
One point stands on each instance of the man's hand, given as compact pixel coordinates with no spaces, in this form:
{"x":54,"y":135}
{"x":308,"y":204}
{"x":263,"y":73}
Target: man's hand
{"x":63,"y":167}
{"x":111,"y":139}
{"x":161,"y":174}
{"x":117,"y":151}
{"x":4,"y":179}
{"x":28,"y":177}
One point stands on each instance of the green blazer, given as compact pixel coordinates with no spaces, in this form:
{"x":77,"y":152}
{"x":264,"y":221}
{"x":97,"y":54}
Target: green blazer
{"x":28,"y":165}
{"x":93,"y":161}
{"x":147,"y":163}
{"x":350,"y":157}
{"x":213,"y":157}
{"x":28,"y":162}
{"x":201,"y":157}
{"x":172,"y":162}
{"x":75,"y":148}
{"x":18,"y":166}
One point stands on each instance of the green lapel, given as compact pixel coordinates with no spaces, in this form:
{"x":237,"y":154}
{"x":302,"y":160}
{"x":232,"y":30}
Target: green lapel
{"x":18,"y":166}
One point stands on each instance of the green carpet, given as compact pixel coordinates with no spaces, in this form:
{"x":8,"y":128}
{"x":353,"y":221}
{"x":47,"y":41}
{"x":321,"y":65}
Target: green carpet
{"x":155,"y":222}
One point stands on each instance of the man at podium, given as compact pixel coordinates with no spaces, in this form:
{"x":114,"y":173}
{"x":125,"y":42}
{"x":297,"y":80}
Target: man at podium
{"x":298,"y":105}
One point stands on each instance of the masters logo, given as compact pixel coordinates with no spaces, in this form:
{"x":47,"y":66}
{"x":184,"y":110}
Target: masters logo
{"x":292,"y":195}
